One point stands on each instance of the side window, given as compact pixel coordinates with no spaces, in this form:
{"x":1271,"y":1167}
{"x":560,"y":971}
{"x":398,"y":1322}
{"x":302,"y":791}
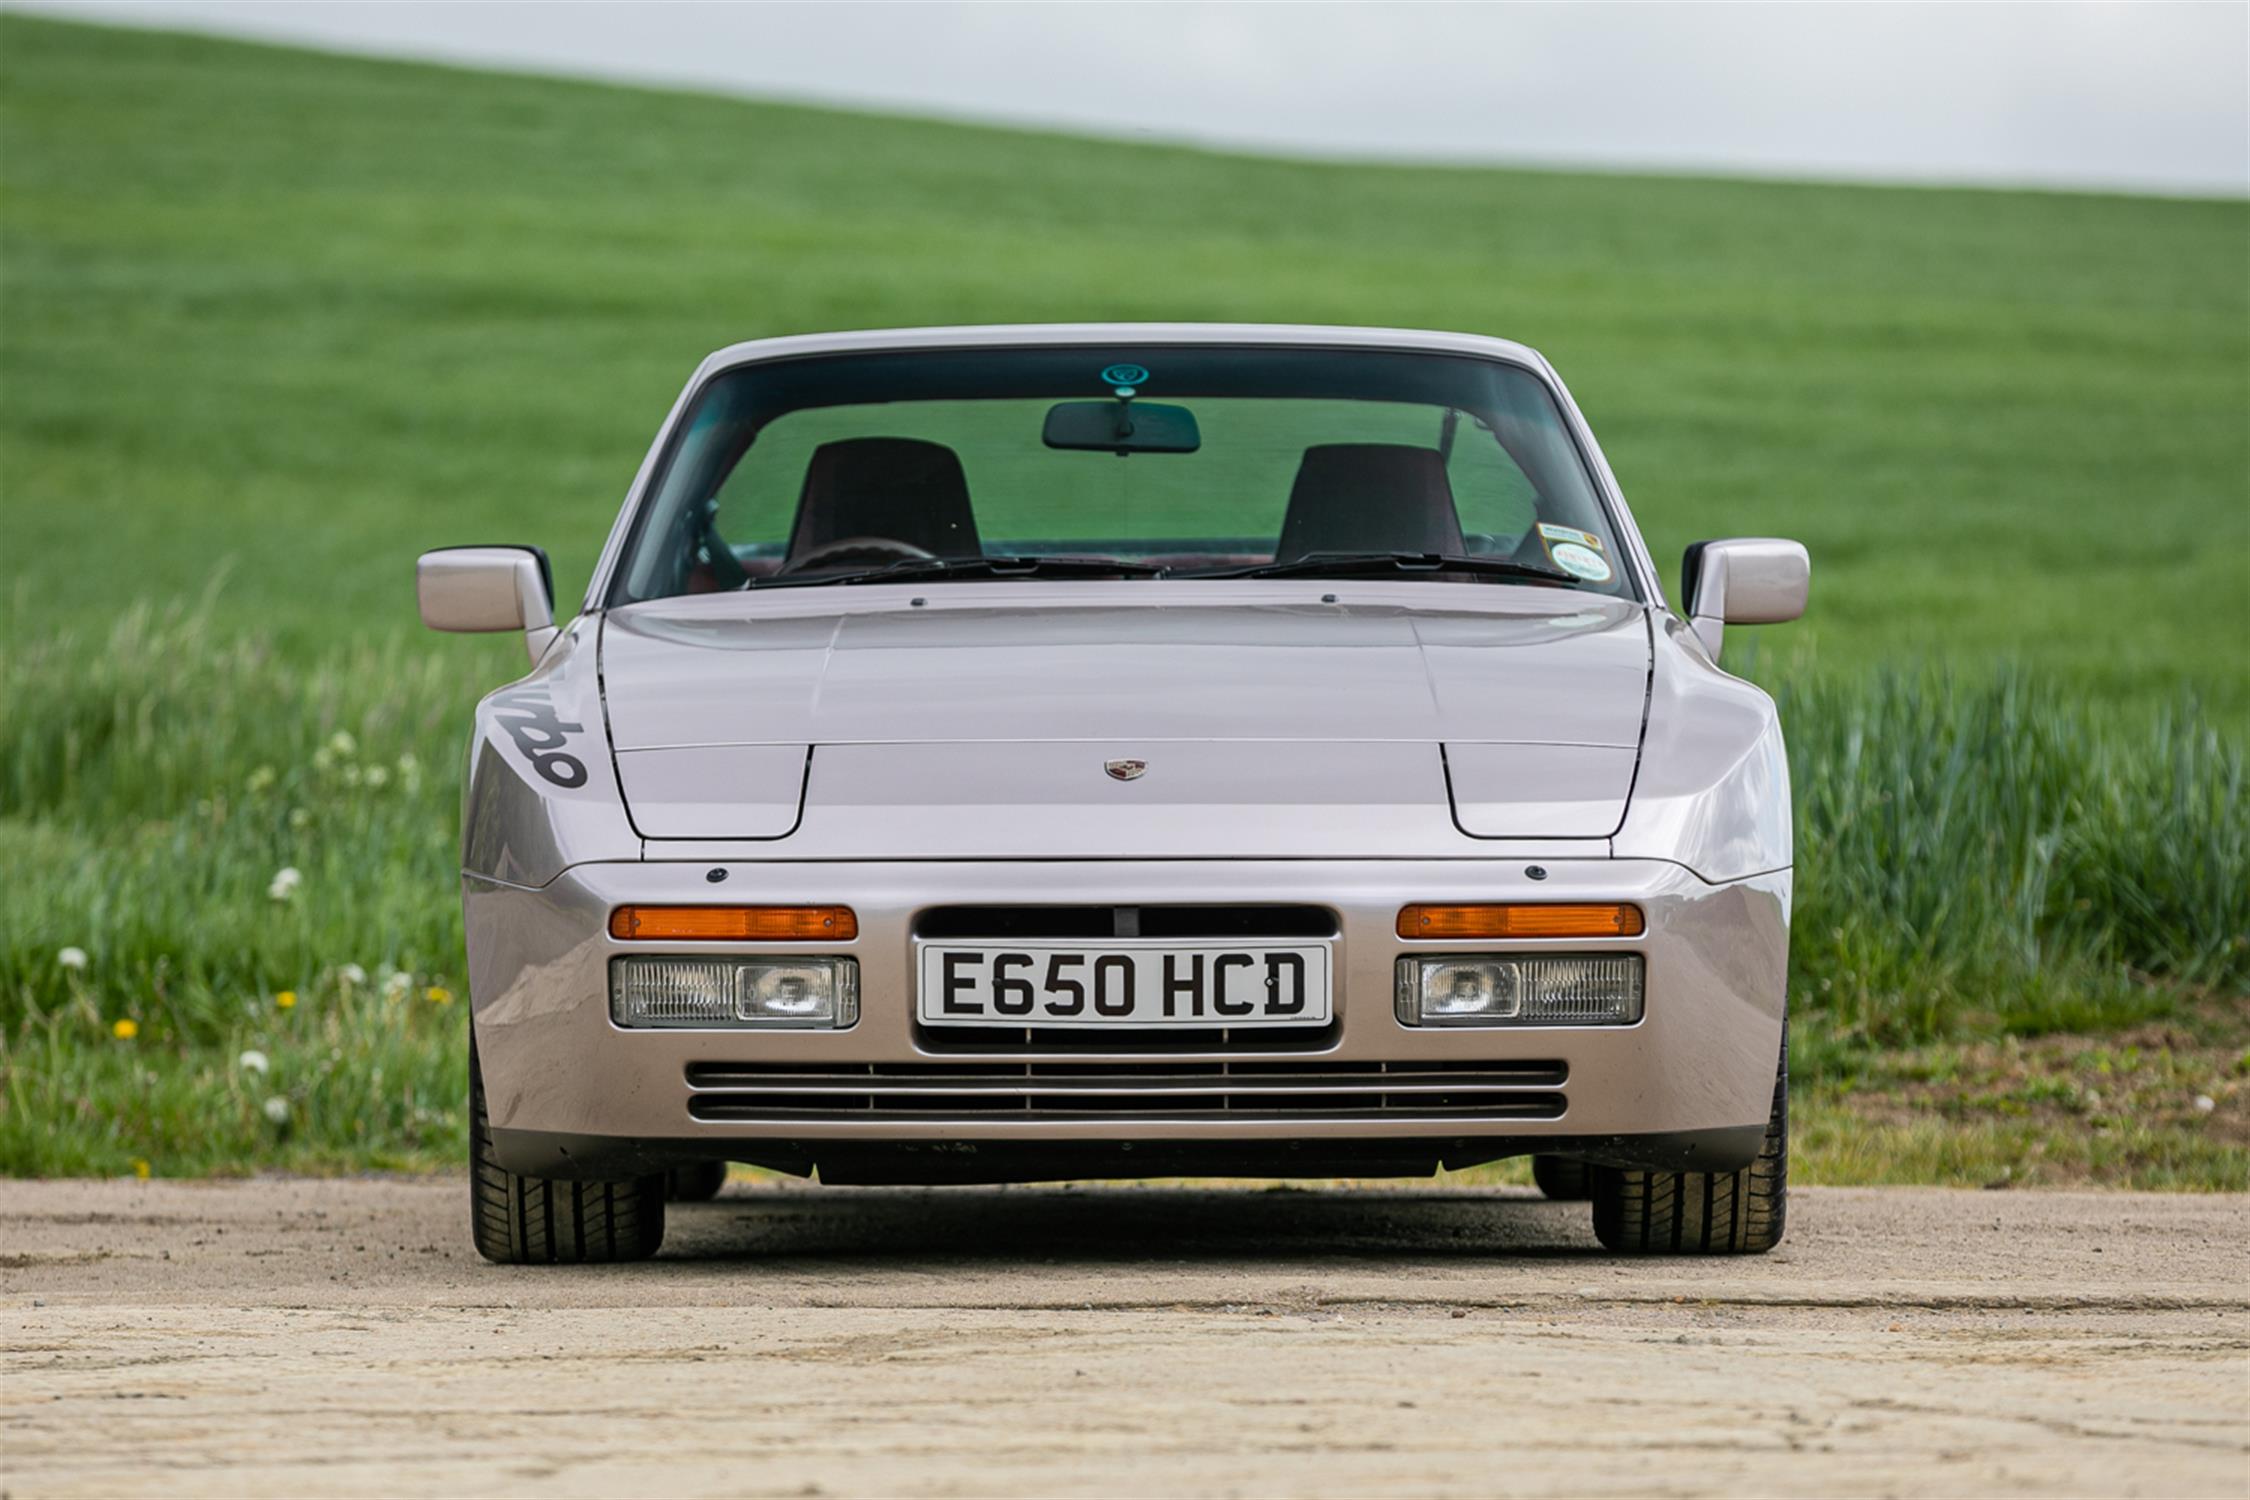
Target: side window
{"x":1497,"y":502}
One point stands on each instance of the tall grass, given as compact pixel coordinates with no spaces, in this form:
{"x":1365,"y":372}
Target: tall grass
{"x":154,"y":787}
{"x":1973,"y":854}
{"x":1974,"y":857}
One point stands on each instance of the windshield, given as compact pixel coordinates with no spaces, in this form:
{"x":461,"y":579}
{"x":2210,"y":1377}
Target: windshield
{"x":1092,"y":462}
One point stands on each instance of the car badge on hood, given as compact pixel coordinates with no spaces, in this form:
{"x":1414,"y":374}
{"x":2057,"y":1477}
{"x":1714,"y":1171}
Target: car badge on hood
{"x":1125,"y":770}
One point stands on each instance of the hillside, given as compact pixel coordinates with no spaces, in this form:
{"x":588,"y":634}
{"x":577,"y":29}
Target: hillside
{"x":304,"y":314}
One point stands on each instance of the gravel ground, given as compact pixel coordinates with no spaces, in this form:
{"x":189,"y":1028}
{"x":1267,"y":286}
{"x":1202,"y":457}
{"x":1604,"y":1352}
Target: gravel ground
{"x":288,"y":1336}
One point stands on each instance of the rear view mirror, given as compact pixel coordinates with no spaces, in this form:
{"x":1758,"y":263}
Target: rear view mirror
{"x":488,"y":588}
{"x":1743,"y":581}
{"x":1122,"y":427}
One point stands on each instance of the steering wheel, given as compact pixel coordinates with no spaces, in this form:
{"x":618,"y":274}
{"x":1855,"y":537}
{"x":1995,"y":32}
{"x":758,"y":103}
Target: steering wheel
{"x":877,"y":549}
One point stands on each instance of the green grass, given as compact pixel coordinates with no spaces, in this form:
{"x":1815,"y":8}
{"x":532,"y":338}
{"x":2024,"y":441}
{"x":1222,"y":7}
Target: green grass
{"x":165,"y":780}
{"x":271,"y":322}
{"x":2161,"y":1105}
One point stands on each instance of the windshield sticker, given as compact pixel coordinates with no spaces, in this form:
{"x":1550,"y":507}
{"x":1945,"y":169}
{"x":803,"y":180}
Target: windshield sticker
{"x":1581,"y":562}
{"x":1125,"y":380}
{"x":1578,"y":553}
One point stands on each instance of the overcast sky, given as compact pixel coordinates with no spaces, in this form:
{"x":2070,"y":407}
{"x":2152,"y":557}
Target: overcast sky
{"x":2151,"y":97}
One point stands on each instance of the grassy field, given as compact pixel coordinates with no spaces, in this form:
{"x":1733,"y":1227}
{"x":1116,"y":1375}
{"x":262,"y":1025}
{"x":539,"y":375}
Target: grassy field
{"x":271,"y":322}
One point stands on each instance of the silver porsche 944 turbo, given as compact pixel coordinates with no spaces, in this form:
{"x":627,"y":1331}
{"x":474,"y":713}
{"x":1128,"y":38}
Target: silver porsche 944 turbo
{"x":1008,"y":754}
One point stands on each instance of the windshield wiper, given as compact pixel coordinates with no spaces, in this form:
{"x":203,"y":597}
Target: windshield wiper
{"x":1347,"y":564}
{"x":923,"y":569}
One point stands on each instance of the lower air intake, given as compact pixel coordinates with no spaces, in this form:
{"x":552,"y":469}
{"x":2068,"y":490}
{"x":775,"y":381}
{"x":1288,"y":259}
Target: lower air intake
{"x":1035,"y":1091}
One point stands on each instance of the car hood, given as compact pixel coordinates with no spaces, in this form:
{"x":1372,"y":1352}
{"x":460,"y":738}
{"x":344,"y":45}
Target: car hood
{"x":763,"y":716}
{"x":693,"y":675}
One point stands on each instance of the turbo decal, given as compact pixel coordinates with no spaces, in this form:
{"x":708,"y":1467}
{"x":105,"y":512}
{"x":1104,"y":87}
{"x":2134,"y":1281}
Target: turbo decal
{"x":528,"y":715}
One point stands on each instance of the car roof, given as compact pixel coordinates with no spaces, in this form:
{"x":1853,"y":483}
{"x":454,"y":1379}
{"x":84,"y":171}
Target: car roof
{"x":1052,"y":335}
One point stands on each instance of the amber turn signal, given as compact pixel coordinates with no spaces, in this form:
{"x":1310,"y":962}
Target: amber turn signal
{"x":735,"y":924}
{"x":1548,"y":920}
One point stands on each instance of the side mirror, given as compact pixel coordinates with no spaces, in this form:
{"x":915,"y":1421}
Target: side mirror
{"x":489,"y":588}
{"x":1743,"y":581}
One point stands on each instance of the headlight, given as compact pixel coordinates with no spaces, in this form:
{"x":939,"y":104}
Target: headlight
{"x":817,"y":993}
{"x":1602,"y":990}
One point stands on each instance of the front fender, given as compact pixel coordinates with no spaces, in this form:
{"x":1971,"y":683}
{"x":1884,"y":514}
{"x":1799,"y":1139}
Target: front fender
{"x":541,"y":792}
{"x":1712,"y":790}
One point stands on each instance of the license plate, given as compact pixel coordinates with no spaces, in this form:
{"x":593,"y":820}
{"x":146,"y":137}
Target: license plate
{"x":1124,"y":983}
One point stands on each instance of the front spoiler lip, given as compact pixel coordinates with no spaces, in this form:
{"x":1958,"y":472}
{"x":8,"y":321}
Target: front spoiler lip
{"x":937,"y":1155}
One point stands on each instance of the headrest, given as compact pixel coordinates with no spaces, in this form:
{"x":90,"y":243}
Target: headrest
{"x":901,"y":489}
{"x":1369,"y":497}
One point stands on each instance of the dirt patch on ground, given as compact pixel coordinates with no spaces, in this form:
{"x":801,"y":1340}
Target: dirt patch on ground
{"x":282,"y":1336}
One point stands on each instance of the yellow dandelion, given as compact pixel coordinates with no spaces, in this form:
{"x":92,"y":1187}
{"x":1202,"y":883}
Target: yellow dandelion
{"x":438,"y":995}
{"x":140,"y":1167}
{"x":286,"y":1000}
{"x":126,"y":1029}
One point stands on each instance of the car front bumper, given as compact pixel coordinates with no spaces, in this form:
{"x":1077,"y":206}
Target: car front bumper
{"x":572,"y":1094}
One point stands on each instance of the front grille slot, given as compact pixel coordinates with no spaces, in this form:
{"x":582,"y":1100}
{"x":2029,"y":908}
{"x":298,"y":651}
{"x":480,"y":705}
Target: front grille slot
{"x":1047,"y":1090}
{"x":1188,"y":923}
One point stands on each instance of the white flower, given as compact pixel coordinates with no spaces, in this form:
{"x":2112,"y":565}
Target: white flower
{"x":277,"y":1110}
{"x":2204,"y":1104}
{"x":72,"y":958}
{"x":341,"y":743}
{"x":284,"y":883}
{"x":376,"y":776}
{"x":253,"y":1061}
{"x":396,"y":985}
{"x":352,"y":974}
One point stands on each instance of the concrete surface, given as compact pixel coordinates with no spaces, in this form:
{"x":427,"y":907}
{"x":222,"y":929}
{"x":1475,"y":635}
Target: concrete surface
{"x":283,"y":1337}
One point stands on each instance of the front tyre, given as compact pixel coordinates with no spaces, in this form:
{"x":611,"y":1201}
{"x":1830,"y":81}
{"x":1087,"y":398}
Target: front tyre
{"x":519,"y":1220}
{"x":1702,"y":1213}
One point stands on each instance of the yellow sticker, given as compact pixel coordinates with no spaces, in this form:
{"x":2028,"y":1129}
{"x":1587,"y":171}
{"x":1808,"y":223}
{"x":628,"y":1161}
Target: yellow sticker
{"x":1552,"y":534}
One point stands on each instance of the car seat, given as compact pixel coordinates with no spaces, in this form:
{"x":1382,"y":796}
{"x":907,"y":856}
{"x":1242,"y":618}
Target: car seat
{"x":1369,"y":497}
{"x":891,"y":489}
